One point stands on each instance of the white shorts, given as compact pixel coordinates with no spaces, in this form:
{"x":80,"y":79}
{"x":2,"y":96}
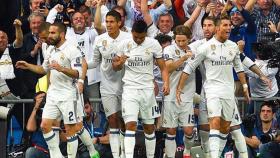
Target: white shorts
{"x":139,"y":102}
{"x":111,"y":103}
{"x":80,"y":107}
{"x":203,"y":114}
{"x":219,"y":107}
{"x":54,"y":109}
{"x":175,"y":115}
{"x":236,"y":120}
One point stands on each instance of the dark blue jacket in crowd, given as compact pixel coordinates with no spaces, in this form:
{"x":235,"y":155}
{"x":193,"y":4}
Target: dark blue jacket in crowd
{"x":247,"y":32}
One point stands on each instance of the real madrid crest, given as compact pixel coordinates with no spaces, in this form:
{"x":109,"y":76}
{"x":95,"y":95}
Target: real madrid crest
{"x":177,"y":52}
{"x":104,"y":44}
{"x":62,"y":56}
{"x":213,"y":47}
{"x":230,"y":53}
{"x":129,"y":46}
{"x":147,"y":51}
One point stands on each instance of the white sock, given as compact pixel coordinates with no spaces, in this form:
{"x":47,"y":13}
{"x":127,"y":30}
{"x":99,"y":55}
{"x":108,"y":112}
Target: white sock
{"x":52,"y":145}
{"x":240,"y":143}
{"x":150,"y":142}
{"x":56,"y":131}
{"x":214,"y":143}
{"x":86,"y":139}
{"x":72,"y":146}
{"x":223,"y":141}
{"x":204,"y":136}
{"x":129,"y":143}
{"x":122,"y":142}
{"x":170,"y":146}
{"x":188,"y":141}
{"x":114,"y":139}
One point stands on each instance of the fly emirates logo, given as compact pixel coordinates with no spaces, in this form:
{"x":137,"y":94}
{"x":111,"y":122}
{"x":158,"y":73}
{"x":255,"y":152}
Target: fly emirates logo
{"x":222,"y":61}
{"x":138,"y":61}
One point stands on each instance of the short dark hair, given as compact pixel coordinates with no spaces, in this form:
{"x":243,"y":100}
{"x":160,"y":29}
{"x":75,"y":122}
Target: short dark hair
{"x":84,"y":9}
{"x":117,"y":7}
{"x":114,"y":14}
{"x":270,"y":104}
{"x":139,"y":26}
{"x":44,"y":27}
{"x":61,"y":26}
{"x":222,"y":17}
{"x":182,"y":30}
{"x":162,"y":38}
{"x":211,"y":18}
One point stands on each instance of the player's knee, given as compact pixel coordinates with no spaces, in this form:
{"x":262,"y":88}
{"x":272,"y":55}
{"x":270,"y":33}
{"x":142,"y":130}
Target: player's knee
{"x":225,"y":129}
{"x":171,"y":131}
{"x":45,"y":126}
{"x":113,"y":121}
{"x":188,"y":131}
{"x":131,"y":126}
{"x":79,"y":126}
{"x":149,"y":129}
{"x":215,"y":123}
{"x":70,"y":129}
{"x":204,"y":127}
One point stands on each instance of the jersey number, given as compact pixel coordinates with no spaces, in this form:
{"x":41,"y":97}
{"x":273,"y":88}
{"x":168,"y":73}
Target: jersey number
{"x":155,"y":109}
{"x":71,"y":116}
{"x":191,"y":118}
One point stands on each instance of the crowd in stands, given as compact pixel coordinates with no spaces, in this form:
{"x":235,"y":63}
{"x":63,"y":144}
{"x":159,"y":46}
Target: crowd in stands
{"x":24,"y":35}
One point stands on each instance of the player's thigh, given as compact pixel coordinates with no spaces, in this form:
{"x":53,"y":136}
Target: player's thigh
{"x":228,"y":108}
{"x":214,"y":107}
{"x":169,"y":115}
{"x":69,"y":111}
{"x":186,"y":114}
{"x":111,"y":103}
{"x":149,"y":108}
{"x":130,"y":105}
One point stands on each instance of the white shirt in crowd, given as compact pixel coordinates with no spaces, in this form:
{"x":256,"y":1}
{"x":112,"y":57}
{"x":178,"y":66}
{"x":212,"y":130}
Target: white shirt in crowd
{"x":85,"y":41}
{"x":257,"y":87}
{"x":173,"y":52}
{"x":105,"y":48}
{"x":139,"y":66}
{"x":62,"y":87}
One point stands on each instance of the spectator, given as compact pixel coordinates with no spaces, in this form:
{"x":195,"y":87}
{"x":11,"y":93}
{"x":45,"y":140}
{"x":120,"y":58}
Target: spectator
{"x":266,"y":125}
{"x":258,"y":88}
{"x":244,"y":29}
{"x":38,"y":6}
{"x":96,"y":124}
{"x":39,"y":147}
{"x":87,"y":14}
{"x":135,"y":12}
{"x":265,"y":14}
{"x":32,"y":53}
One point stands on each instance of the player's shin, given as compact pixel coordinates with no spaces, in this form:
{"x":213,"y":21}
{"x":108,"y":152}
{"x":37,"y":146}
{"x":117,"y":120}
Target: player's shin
{"x":52,"y":145}
{"x":170,"y":145}
{"x":87,"y":141}
{"x":240,"y":143}
{"x":129,"y":143}
{"x":115,"y":142}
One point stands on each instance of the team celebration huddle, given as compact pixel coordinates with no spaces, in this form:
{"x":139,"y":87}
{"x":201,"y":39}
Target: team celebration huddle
{"x":149,"y":72}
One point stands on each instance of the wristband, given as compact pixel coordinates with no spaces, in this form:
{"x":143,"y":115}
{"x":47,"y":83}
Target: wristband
{"x":81,"y":81}
{"x":245,"y":86}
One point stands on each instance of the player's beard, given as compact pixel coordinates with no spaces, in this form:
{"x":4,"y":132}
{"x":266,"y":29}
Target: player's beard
{"x":54,"y":41}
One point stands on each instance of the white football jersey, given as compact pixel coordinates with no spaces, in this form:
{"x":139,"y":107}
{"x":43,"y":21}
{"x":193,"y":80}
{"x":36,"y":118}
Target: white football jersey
{"x":173,"y":52}
{"x":139,"y":66}
{"x":85,"y":41}
{"x":62,"y":87}
{"x":219,"y":60}
{"x":105,"y":49}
